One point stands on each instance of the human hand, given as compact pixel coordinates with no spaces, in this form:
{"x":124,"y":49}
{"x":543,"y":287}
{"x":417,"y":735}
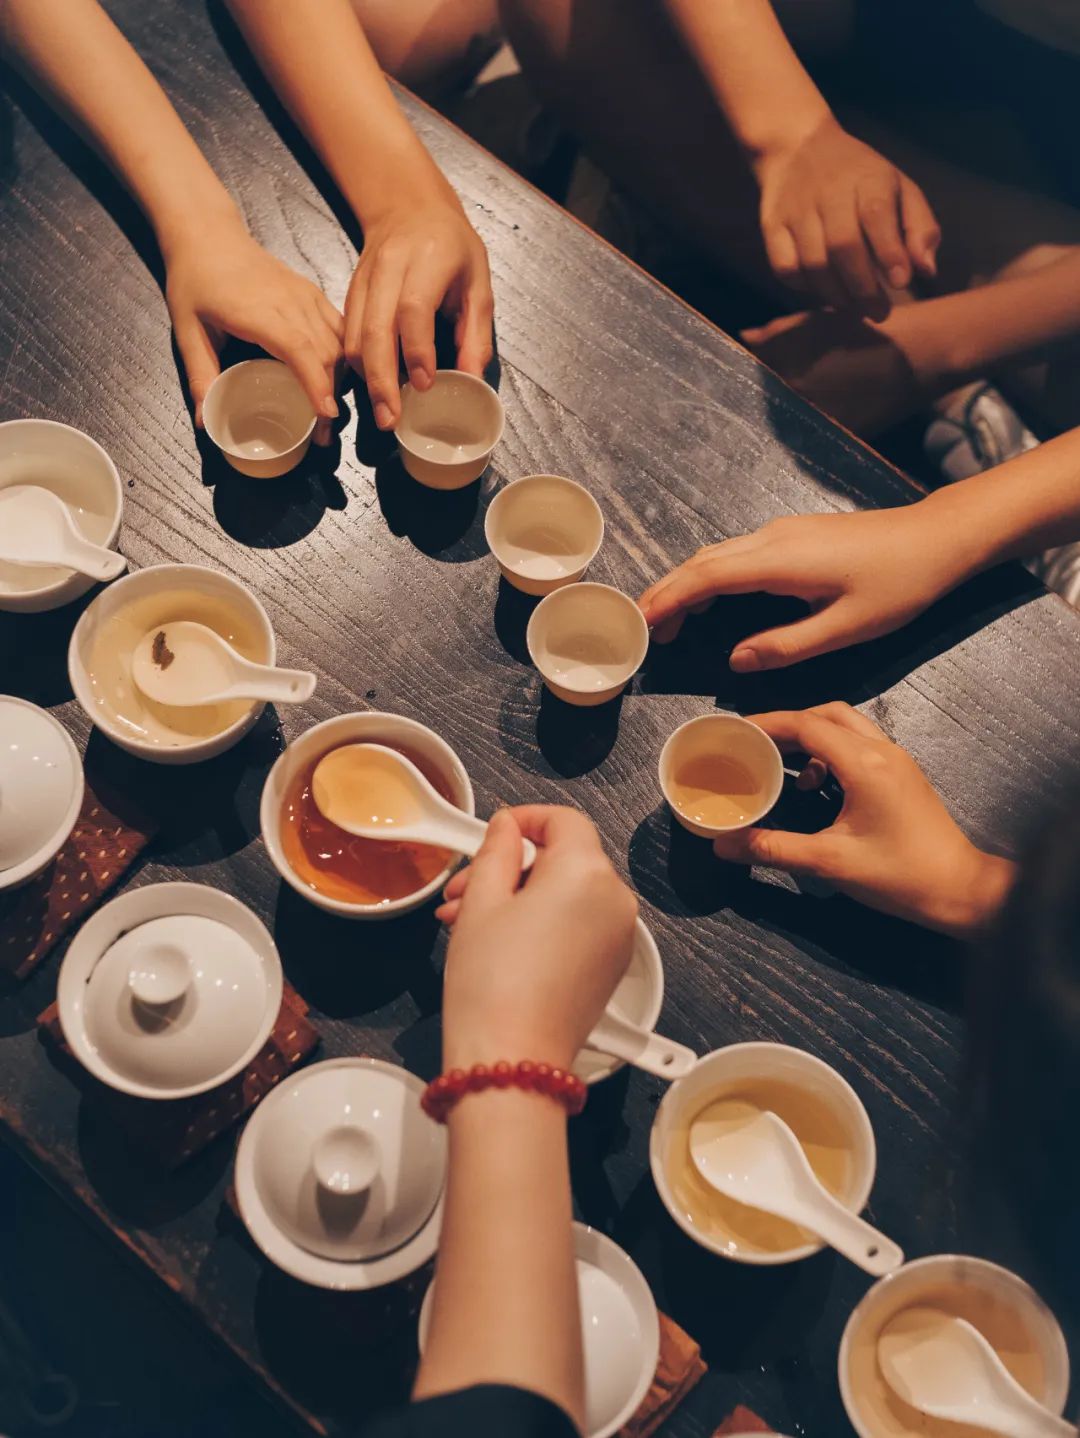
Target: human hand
{"x":894,"y":845}
{"x":863,"y":575}
{"x":419,"y":257}
{"x":225,"y":283}
{"x":855,"y":370}
{"x":837,"y":219}
{"x":530,"y":969}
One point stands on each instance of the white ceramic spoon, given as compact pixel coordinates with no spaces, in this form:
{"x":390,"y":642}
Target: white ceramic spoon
{"x":36,"y":528}
{"x":640,"y":1047}
{"x":762,"y":1164}
{"x":183,"y":663}
{"x":945,"y":1368}
{"x":376,"y":793}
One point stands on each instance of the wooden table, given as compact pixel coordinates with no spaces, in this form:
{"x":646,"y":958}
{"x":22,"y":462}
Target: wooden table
{"x":388,"y":592}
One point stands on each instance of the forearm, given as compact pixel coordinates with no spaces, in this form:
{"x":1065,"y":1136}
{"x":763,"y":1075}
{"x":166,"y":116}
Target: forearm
{"x":759,"y":82}
{"x":960,"y":337}
{"x":319,"y":61}
{"x":506,"y":1302}
{"x":1018,"y":508}
{"x":73,"y":53}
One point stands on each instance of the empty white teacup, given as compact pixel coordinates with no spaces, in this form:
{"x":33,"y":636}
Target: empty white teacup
{"x":720,"y":772}
{"x":259,"y":417}
{"x":544,"y":531}
{"x":447,"y":432}
{"x":587,"y":641}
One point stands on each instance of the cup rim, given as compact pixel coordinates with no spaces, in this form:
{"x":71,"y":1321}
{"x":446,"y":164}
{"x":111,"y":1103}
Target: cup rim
{"x":863,"y":1187}
{"x":79,"y":674}
{"x":559,"y":596}
{"x":35,"y":862}
{"x":1000,"y":1274}
{"x":268,"y":824}
{"x":229,"y":449}
{"x":564,"y":479}
{"x":43,"y":591}
{"x":473,"y":380}
{"x":723,"y":716}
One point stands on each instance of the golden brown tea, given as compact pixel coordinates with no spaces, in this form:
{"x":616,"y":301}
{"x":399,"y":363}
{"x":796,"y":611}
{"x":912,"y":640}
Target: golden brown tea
{"x":717,"y":791}
{"x":732,"y":1225}
{"x":356,"y":871}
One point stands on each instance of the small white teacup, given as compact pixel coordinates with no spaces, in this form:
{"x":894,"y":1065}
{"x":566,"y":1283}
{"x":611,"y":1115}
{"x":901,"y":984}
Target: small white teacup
{"x":258,"y":415}
{"x":719,"y":773}
{"x":447,"y":432}
{"x":587,"y":641}
{"x":544,"y":531}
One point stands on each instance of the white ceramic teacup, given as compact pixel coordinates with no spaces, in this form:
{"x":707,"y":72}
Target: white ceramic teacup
{"x":757,"y":764}
{"x":875,"y":1411}
{"x":104,"y":640}
{"x":587,"y":641}
{"x":76,"y":469}
{"x":372,"y":727}
{"x":544,"y":531}
{"x":258,"y":415}
{"x":41,"y":790}
{"x":639,"y":997}
{"x":730,"y":1072}
{"x":447,"y":432}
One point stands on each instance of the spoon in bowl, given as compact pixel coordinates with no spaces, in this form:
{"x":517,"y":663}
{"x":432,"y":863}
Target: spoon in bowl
{"x":182,"y":663}
{"x":943,"y":1366}
{"x":376,"y":793}
{"x":761,"y":1163}
{"x":36,"y":528}
{"x":640,"y":1047}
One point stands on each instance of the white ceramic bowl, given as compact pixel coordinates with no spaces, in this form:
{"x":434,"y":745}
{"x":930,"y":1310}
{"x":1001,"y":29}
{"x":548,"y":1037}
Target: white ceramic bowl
{"x":728,"y":736}
{"x":587,"y":641}
{"x":283,"y":1158}
{"x":446,"y":433}
{"x":258,"y":415}
{"x":41,"y":790}
{"x":620,"y":1331}
{"x":638,"y":997}
{"x":866,"y":1395}
{"x":77,"y":469}
{"x":351,"y":729}
{"x":727,"y":1071}
{"x":154,"y":596}
{"x":232,"y":1030}
{"x":544,"y":531}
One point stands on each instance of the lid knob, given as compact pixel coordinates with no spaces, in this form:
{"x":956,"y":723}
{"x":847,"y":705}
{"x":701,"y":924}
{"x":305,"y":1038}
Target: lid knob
{"x":346,"y":1160}
{"x":160,"y":974}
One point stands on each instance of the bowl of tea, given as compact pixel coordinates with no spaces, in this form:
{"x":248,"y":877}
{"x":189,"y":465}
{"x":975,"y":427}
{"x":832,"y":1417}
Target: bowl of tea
{"x":727,"y":1088}
{"x":720,"y":772}
{"x":338,"y":871}
{"x":899,"y":1309}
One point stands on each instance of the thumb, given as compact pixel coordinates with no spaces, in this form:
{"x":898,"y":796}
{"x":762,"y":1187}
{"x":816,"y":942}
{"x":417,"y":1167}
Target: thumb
{"x":772,"y":848}
{"x":201,"y":362}
{"x":496,"y":870}
{"x":790,"y":643}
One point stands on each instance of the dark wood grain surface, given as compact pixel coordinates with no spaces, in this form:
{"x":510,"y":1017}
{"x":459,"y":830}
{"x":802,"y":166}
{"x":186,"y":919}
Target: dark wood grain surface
{"x":387,"y":591}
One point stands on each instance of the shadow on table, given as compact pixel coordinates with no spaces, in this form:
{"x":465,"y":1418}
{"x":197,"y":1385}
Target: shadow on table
{"x":697,"y":661}
{"x":511,"y":616}
{"x":203,"y":811}
{"x":678,"y":873}
{"x":33,"y":652}
{"x":443,"y":524}
{"x":556,"y":740}
{"x":346,"y":967}
{"x":341,"y":1356}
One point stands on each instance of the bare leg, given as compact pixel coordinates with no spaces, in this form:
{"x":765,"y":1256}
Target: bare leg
{"x":428,"y":43}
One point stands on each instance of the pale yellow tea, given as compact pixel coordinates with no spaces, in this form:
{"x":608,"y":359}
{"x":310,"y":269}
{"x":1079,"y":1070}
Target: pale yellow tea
{"x":717,"y":791}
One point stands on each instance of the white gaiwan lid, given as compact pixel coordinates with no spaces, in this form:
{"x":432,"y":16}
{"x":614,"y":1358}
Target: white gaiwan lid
{"x":620,"y":1331}
{"x":41,"y":787}
{"x":343,"y":1162}
{"x":169,"y":990}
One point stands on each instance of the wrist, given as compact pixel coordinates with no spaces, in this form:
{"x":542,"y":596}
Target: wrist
{"x":958,"y":520}
{"x":779,"y":135}
{"x":217,"y":222}
{"x":400,"y":183}
{"x":980,"y":889}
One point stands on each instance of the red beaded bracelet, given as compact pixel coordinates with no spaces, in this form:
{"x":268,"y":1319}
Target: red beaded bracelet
{"x":442,"y":1093}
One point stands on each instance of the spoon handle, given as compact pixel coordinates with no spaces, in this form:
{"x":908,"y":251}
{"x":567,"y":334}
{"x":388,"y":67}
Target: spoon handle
{"x":648,"y":1051}
{"x":273,"y":685}
{"x":94,"y":560}
{"x":852,"y":1236}
{"x":464,"y":833}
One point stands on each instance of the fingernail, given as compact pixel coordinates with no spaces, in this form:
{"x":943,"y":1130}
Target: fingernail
{"x":745,"y":661}
{"x":383,"y":415}
{"x":898,"y":277}
{"x":420,"y":378}
{"x":329,"y":407}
